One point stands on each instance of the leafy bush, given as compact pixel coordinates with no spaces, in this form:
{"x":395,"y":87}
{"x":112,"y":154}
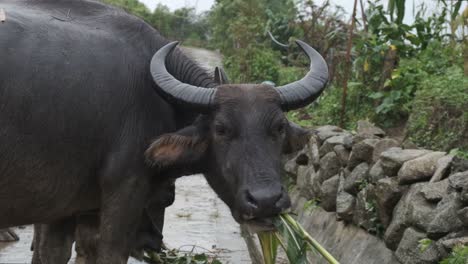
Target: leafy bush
{"x":439,"y":119}
{"x":254,"y":65}
{"x":327,"y":109}
{"x":290,"y":74}
{"x":459,"y":255}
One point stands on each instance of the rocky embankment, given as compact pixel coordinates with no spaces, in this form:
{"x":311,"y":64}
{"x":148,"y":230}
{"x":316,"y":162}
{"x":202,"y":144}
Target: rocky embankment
{"x":378,"y":201}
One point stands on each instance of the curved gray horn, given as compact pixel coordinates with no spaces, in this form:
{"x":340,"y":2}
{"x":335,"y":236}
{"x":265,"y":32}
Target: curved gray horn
{"x":304,"y":91}
{"x":276,"y":41}
{"x":220,"y":76}
{"x":194,"y":96}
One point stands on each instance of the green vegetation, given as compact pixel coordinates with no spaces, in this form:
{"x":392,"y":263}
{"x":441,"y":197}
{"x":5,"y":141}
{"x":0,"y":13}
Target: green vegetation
{"x":181,"y":24}
{"x":294,"y":240}
{"x":424,"y":244}
{"x":439,"y":119}
{"x":459,"y":255}
{"x":402,"y":75}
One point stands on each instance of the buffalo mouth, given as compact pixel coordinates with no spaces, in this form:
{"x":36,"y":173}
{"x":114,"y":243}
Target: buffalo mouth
{"x":257,"y":225}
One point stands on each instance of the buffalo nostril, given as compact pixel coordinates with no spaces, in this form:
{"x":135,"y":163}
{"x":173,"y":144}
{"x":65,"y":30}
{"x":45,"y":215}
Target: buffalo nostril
{"x":283,"y":201}
{"x":251,"y":201}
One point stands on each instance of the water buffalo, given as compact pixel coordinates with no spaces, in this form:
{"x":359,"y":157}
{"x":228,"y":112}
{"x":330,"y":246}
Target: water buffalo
{"x":97,"y":110}
{"x":85,"y":229}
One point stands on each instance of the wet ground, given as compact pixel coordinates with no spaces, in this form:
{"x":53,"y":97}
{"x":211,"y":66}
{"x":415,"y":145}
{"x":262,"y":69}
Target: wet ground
{"x":198,"y":220}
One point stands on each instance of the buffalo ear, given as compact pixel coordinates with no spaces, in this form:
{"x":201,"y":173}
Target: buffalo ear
{"x":220,"y":76}
{"x":183,"y":148}
{"x":296,"y":138}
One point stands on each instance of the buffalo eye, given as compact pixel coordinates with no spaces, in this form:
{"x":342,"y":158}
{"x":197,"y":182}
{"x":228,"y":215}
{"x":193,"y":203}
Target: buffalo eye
{"x":280,"y":128}
{"x":221,"y":130}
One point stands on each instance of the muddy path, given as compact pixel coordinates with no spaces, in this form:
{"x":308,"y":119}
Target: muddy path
{"x":197,"y":220}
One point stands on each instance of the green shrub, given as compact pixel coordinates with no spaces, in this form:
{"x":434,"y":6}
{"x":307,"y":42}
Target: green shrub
{"x":439,"y":116}
{"x":328,"y":108}
{"x":289,"y":74}
{"x":459,"y":255}
{"x":254,"y":65}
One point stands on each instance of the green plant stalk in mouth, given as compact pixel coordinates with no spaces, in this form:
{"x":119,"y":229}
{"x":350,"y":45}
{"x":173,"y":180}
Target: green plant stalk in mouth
{"x":293,"y":239}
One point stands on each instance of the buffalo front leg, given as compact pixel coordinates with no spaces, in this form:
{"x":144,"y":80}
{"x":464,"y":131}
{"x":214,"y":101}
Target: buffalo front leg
{"x":35,"y":245}
{"x":53,"y":242}
{"x":120,"y":214}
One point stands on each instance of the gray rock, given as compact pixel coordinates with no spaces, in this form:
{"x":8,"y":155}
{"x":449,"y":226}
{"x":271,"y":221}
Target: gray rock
{"x":342,"y":153}
{"x":366,"y":128}
{"x":345,"y":202}
{"x":434,"y":191}
{"x":291,"y":167}
{"x":316,"y":185}
{"x":459,"y":180}
{"x":304,"y":181}
{"x":393,"y":158}
{"x":302,"y":157}
{"x":8,"y":235}
{"x":358,"y":138}
{"x":346,"y":242}
{"x":329,"y":193}
{"x":459,"y":165}
{"x":376,"y":172}
{"x":446,"y":219}
{"x":411,"y":210}
{"x":409,"y":251}
{"x":462,"y":215}
{"x":421,"y":211}
{"x":382,"y":146}
{"x":329,"y":166}
{"x":451,"y":243}
{"x":358,"y":177}
{"x":386,"y":194}
{"x":419,"y":169}
{"x":464,"y":196}
{"x":361,"y":215}
{"x":345,"y":140}
{"x":442,"y":168}
{"x":362,"y":152}
{"x":325,"y":132}
{"x":314,"y":152}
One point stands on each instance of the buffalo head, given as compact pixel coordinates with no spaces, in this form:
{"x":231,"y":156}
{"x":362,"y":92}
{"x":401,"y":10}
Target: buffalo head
{"x":238,"y":139}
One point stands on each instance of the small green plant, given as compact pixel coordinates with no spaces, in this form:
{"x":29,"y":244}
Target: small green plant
{"x":424,"y":244}
{"x":311,"y":204}
{"x":294,"y":240}
{"x":376,"y":226}
{"x":459,"y":255}
{"x":362,"y":184}
{"x":459,"y":153}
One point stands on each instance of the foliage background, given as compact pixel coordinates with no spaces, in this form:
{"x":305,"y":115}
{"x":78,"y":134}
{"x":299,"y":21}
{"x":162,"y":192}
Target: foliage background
{"x":408,"y":79}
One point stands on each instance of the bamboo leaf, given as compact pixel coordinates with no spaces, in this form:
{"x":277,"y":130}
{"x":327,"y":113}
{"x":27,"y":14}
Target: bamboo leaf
{"x":269,"y":244}
{"x":294,"y":239}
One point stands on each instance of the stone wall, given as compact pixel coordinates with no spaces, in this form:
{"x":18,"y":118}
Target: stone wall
{"x":400,"y":198}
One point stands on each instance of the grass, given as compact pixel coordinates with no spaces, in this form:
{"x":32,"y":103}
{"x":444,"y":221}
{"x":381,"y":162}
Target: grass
{"x":294,"y":240}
